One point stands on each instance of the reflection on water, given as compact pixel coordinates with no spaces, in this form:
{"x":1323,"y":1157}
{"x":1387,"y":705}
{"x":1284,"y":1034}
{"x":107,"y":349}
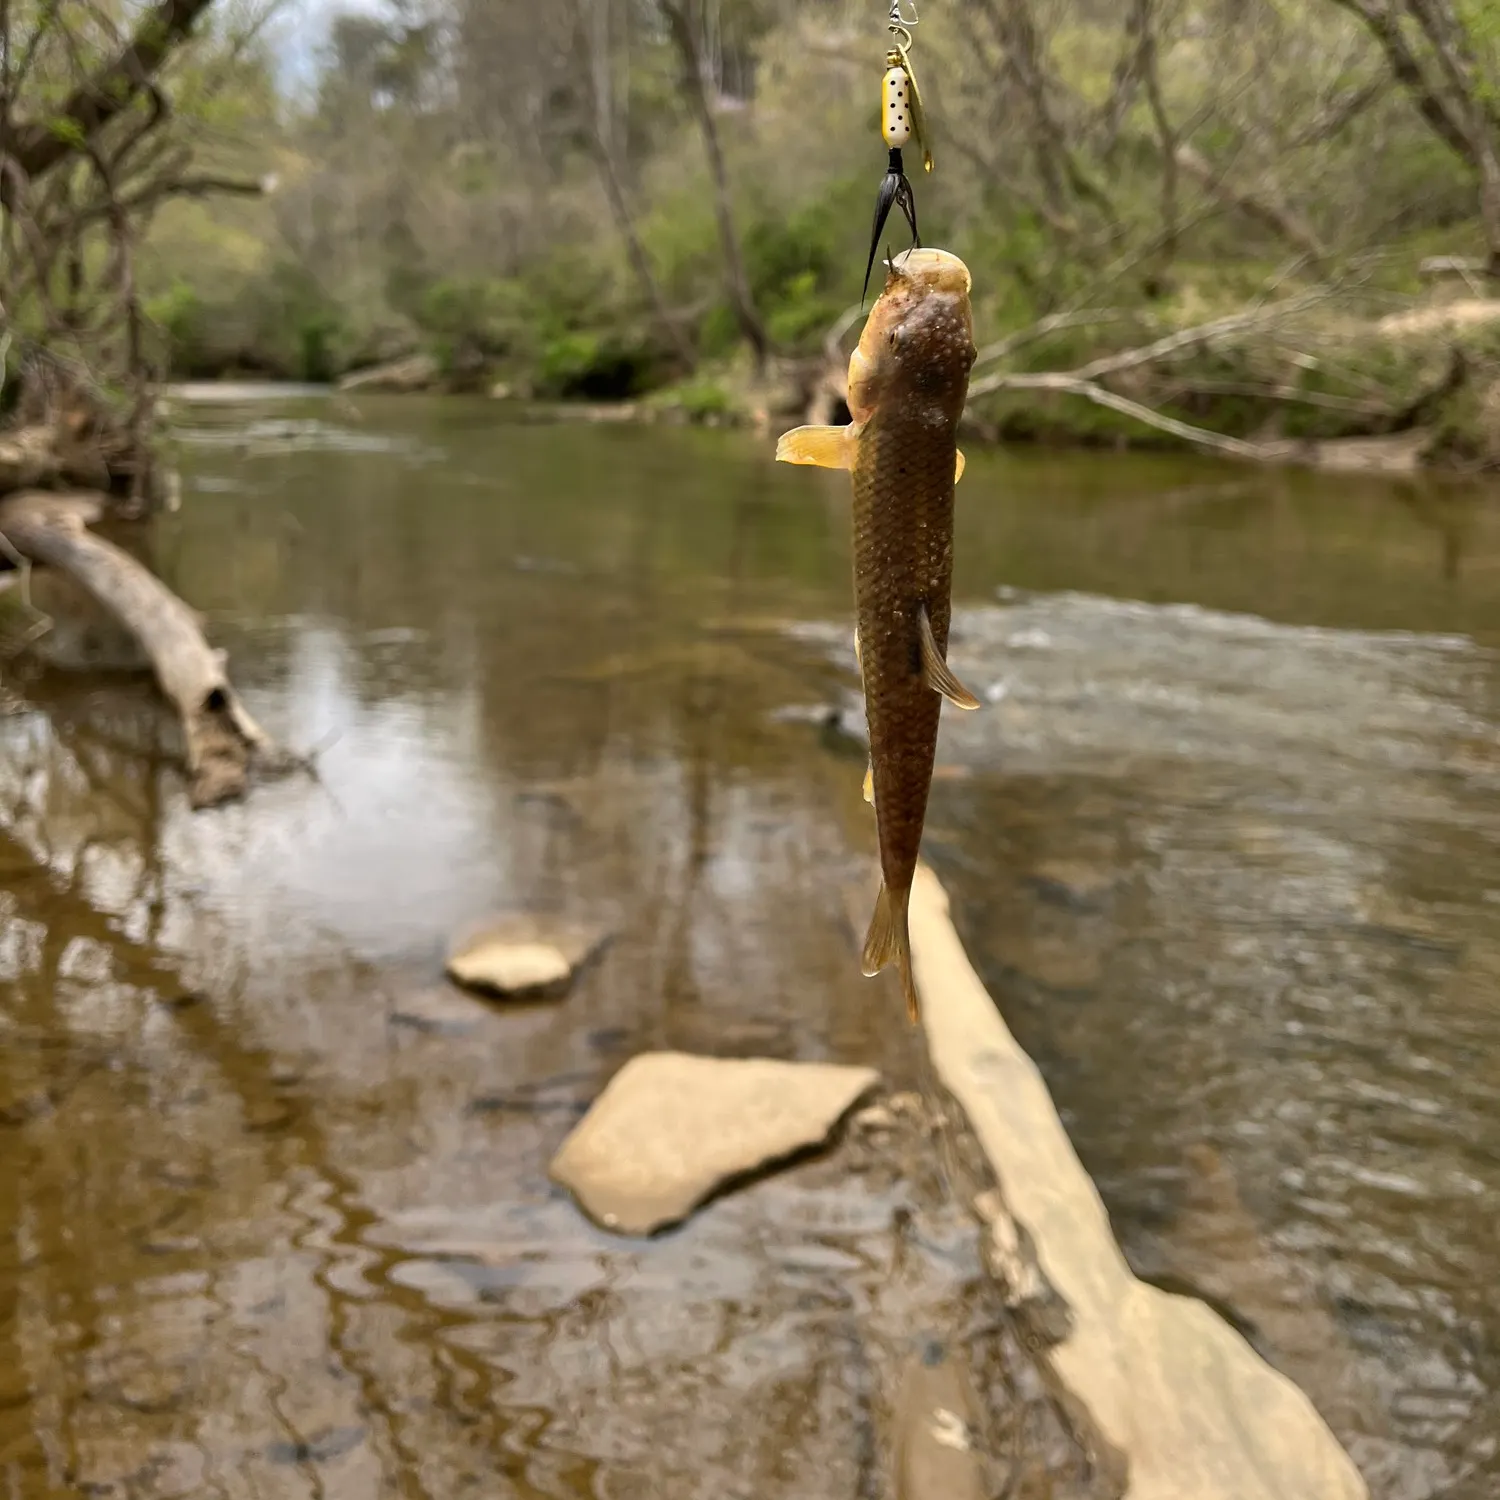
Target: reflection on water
{"x":1231,"y":879}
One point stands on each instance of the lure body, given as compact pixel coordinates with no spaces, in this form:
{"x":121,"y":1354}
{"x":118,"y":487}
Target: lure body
{"x":895,"y":107}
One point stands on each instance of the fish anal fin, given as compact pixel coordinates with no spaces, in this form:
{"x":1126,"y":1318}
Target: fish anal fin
{"x":823,"y":447}
{"x":935,"y":671}
{"x":889,"y":941}
{"x":958,"y":465}
{"x":869,"y":789}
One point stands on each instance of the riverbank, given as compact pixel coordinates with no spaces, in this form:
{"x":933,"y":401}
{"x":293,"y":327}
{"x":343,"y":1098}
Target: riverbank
{"x":1293,"y":385}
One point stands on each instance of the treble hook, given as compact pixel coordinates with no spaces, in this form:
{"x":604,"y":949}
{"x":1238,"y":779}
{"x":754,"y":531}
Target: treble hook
{"x":900,"y":22}
{"x":895,"y":192}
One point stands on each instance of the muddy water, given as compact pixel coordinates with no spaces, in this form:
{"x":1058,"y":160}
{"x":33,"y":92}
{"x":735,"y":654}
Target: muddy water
{"x":1223,"y":843}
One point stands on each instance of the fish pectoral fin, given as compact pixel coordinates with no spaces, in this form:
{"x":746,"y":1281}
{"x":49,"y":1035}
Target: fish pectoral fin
{"x":935,"y":671}
{"x":958,"y":465}
{"x":823,"y":447}
{"x":869,"y":791}
{"x":889,"y":941}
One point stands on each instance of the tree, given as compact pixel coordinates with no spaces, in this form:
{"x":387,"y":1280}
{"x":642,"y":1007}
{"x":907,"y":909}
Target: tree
{"x":89,"y":149}
{"x":592,"y":39}
{"x":685,"y":20}
{"x":1440,"y":52}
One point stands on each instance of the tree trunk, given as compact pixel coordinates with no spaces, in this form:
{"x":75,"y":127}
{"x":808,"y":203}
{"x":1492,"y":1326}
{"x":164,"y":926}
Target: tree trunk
{"x":223,"y":743}
{"x":1144,"y":20}
{"x":670,"y":329}
{"x":685,"y":37}
{"x":1452,"y":102}
{"x":601,"y":136}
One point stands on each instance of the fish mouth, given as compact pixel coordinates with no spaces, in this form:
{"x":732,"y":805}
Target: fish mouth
{"x":939,"y":270}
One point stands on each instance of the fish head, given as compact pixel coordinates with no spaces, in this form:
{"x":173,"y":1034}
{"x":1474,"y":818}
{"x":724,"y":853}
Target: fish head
{"x":918,"y":342}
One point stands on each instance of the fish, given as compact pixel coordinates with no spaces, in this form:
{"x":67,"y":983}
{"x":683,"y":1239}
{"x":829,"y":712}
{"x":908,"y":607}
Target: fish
{"x":908,"y":381}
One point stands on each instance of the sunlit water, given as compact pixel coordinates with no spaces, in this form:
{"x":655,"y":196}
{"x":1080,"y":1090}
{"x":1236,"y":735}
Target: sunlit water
{"x":1225,"y":843}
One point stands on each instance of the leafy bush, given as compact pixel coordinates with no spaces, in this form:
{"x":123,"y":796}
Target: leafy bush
{"x":594,"y":367}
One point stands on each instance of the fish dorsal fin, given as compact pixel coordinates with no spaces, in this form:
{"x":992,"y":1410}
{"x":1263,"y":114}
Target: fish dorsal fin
{"x":935,"y":671}
{"x":958,"y":465}
{"x":823,"y":447}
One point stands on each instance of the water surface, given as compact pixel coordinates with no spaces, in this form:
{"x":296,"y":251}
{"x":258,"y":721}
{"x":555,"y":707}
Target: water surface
{"x":1223,"y":843}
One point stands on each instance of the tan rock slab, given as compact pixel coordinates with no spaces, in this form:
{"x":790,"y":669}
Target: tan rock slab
{"x":671,"y":1128}
{"x":1164,"y":1382}
{"x":524,"y":956}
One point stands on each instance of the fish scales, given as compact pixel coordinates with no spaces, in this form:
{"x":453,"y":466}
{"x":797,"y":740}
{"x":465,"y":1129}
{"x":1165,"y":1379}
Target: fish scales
{"x":908,"y":381}
{"x":903,"y":559}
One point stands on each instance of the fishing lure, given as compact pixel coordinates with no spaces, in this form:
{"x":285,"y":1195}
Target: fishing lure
{"x":901,"y":121}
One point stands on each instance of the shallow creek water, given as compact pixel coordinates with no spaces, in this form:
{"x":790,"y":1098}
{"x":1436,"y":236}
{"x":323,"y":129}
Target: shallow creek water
{"x":1224,"y":842}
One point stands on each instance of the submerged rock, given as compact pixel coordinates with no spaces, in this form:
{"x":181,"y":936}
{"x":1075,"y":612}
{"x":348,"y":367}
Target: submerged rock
{"x":435,"y":1008}
{"x":671,"y":1128}
{"x":522,"y":956}
{"x":936,"y":1457}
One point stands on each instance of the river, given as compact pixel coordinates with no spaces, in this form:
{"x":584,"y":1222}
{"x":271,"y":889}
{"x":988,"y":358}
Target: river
{"x":1224,"y":843}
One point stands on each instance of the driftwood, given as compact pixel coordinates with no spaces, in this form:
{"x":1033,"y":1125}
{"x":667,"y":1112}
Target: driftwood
{"x":223,"y":743}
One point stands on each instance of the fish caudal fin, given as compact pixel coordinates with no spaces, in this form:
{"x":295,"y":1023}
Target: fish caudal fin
{"x":935,"y":671}
{"x":822,"y":447}
{"x":889,"y":941}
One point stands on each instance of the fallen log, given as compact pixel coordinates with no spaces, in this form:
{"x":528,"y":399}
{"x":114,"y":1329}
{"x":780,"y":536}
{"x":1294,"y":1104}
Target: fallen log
{"x":223,"y":744}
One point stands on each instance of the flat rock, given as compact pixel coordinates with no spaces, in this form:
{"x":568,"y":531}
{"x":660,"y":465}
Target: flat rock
{"x":524,"y":956}
{"x":1169,"y":1394}
{"x":671,"y":1128}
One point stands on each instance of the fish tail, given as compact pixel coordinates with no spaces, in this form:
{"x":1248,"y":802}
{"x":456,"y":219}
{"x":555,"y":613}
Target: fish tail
{"x":889,"y":940}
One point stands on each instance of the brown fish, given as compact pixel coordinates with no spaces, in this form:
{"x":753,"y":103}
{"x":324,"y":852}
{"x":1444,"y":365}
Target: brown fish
{"x":908,"y":381}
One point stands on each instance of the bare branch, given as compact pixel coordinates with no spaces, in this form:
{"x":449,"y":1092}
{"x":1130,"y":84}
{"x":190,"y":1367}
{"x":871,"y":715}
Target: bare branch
{"x":1087,"y":317}
{"x":1385,"y":26}
{"x":1076,"y":385}
{"x":1085,"y":380}
{"x":1255,"y":205}
{"x":1341,"y":114}
{"x":39,"y":146}
{"x":1203,"y":333}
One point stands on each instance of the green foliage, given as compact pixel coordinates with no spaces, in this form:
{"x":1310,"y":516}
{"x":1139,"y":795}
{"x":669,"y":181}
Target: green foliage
{"x":469,"y":319}
{"x":181,"y":318}
{"x":68,"y":131}
{"x":799,"y":261}
{"x":701,"y":400}
{"x":594,"y":367}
